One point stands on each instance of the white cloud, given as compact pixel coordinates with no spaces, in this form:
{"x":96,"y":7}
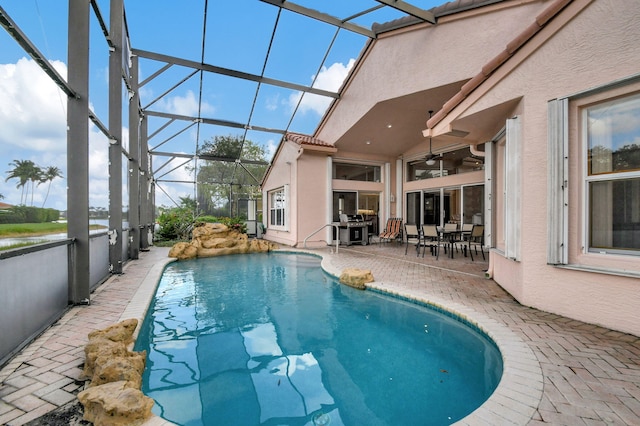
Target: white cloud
{"x":270,"y":148}
{"x":32,"y":108}
{"x":272,"y":102}
{"x":33,"y":122}
{"x":328,"y":79}
{"x":183,"y":105}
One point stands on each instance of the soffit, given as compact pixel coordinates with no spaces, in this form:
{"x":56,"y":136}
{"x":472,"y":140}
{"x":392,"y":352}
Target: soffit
{"x":406,"y":115}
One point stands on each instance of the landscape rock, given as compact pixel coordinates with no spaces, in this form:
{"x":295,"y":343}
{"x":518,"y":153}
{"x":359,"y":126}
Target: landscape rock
{"x":101,"y":348}
{"x":108,"y":343}
{"x":121,"y":368}
{"x":120,"y":332}
{"x":115,"y":404}
{"x":216,"y":239}
{"x":356,"y":278}
{"x":113,"y":397}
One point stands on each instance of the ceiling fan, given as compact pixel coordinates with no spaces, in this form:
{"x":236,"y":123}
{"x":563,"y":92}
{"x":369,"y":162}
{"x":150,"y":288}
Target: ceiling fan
{"x":431,"y":158}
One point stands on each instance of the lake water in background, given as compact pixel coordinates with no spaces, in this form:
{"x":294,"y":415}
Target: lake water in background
{"x":5,"y":242}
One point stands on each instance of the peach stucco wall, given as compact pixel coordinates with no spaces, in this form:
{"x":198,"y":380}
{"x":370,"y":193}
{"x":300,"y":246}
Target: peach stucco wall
{"x":283,"y":172}
{"x":424,"y":58}
{"x":312,"y":199}
{"x":597,"y":47}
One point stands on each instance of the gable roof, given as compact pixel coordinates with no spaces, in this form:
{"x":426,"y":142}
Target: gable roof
{"x":306,"y":143}
{"x":448,"y":8}
{"x":490,"y":67}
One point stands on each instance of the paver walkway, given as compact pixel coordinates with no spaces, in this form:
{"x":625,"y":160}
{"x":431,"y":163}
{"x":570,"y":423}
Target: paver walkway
{"x":591,"y":374}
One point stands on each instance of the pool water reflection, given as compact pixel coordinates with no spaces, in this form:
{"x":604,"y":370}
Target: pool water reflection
{"x":271,"y":339}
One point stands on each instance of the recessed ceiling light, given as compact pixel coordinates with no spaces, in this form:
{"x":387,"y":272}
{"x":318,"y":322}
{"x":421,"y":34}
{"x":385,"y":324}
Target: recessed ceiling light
{"x":389,"y":126}
{"x":368,"y":142}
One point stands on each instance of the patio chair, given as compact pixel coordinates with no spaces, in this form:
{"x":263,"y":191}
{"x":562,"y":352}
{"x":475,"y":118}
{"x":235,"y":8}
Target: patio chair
{"x":475,"y":240}
{"x":392,"y":230}
{"x":431,"y":238}
{"x":412,"y":236}
{"x":461,"y":240}
{"x":450,"y":226}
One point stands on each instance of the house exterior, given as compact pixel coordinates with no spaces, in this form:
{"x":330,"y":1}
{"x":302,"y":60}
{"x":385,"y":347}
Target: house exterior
{"x":535,"y":128}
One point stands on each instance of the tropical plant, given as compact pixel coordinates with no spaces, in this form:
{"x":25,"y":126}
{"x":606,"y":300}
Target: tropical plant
{"x":230,"y":168}
{"x":177,"y":223}
{"x":48,"y":175}
{"x":235,"y":223}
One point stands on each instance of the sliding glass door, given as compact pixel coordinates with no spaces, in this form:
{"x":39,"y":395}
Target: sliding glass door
{"x":473,"y":204}
{"x":446,"y":205}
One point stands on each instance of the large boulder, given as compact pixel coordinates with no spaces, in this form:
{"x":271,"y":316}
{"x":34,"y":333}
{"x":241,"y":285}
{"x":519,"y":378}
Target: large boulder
{"x":356,"y":278}
{"x":108,"y":343}
{"x":127,"y":368}
{"x":101,"y":348}
{"x":217,"y":239}
{"x":183,"y":251}
{"x":113,"y":397}
{"x":120,"y":332}
{"x":115,"y":404}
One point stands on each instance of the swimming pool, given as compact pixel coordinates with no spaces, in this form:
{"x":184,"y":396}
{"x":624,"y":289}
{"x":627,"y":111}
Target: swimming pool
{"x":271,"y":339}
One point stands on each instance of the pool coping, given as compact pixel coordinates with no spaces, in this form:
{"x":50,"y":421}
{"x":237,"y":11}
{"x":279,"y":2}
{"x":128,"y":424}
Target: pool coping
{"x":514,"y":401}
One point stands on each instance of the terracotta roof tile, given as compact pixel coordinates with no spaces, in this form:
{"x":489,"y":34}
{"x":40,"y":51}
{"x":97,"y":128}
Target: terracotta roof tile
{"x":497,"y":61}
{"x":522,"y":38}
{"x":448,"y":8}
{"x":301,"y":139}
{"x":551,"y":11}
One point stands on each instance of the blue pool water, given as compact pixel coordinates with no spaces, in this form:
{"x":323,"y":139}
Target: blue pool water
{"x":270,"y":339}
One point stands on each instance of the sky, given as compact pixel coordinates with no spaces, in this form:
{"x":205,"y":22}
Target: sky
{"x":238,"y":36}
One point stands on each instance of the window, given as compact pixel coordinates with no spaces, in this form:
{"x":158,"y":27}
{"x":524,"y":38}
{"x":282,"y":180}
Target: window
{"x":612,"y":139}
{"x":277,"y":202}
{"x":359,"y":172}
{"x":453,"y":163}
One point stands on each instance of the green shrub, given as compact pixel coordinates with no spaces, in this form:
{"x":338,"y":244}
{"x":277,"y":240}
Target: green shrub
{"x":236,"y":223}
{"x":29,"y":214}
{"x":175,"y":224}
{"x":11,"y":217}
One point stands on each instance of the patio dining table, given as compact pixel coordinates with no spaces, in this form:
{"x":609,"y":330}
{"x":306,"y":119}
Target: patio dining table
{"x":449,"y":237}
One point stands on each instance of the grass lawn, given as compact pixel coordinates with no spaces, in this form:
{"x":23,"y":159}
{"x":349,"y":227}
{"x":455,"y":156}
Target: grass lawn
{"x":13,"y":230}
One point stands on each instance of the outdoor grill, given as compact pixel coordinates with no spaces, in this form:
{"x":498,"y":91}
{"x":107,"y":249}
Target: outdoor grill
{"x":353,"y":229}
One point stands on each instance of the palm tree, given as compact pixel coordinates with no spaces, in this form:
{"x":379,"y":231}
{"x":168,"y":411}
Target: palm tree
{"x":25,"y":171}
{"x":48,"y":175}
{"x":21,"y":171}
{"x":35,"y":175}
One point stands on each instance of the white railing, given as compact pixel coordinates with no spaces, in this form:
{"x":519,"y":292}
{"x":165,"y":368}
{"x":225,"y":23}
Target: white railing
{"x":304,"y":244}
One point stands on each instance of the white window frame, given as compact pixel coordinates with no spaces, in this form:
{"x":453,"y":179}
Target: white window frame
{"x":560,"y":114}
{"x":603,"y":177}
{"x":284,"y":190}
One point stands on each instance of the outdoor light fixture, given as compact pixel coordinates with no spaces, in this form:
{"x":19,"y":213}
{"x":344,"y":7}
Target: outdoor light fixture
{"x":430,"y":159}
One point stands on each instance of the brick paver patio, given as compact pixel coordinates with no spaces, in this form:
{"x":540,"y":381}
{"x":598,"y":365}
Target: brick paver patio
{"x":591,"y":375}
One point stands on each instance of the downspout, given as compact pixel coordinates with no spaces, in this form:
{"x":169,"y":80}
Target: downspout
{"x":399,"y":180}
{"x":489,"y":272}
{"x":329,"y":201}
{"x":474,"y":150}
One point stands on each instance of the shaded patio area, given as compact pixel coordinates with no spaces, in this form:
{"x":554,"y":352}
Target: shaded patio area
{"x":591,"y":374}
